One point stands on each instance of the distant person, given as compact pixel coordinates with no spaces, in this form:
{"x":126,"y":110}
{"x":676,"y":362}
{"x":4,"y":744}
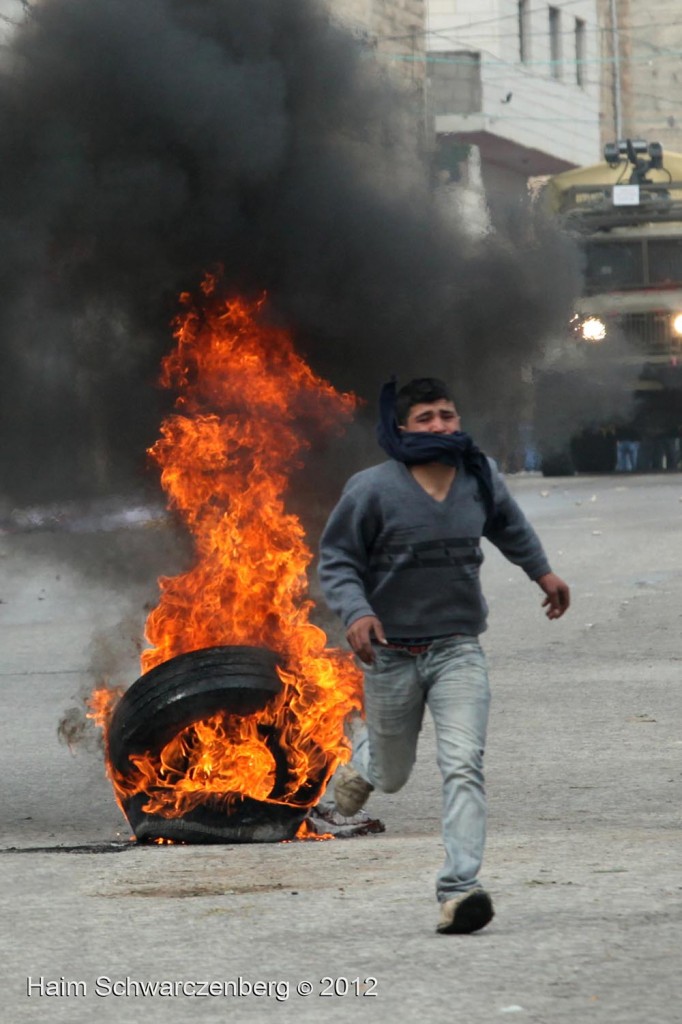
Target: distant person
{"x":532,"y":460}
{"x":627,"y":449}
{"x":670,"y":452}
{"x":399,"y":563}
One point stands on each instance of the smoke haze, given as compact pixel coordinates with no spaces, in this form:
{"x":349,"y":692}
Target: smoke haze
{"x":142,"y":143}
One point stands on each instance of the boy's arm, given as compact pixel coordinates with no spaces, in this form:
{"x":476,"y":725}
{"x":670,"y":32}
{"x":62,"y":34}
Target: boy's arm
{"x":344,"y":556}
{"x":510,"y":531}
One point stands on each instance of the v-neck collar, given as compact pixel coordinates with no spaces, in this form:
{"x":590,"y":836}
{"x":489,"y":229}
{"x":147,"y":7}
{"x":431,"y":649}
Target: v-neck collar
{"x":439,"y":503}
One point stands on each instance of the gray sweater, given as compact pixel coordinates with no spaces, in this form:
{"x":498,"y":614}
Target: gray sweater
{"x":391,"y":550}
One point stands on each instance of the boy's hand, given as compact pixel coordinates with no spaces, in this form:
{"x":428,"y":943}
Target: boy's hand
{"x":359,"y":636}
{"x":558,"y":594}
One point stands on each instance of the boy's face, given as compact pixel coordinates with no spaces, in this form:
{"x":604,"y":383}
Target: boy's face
{"x":439,"y":417}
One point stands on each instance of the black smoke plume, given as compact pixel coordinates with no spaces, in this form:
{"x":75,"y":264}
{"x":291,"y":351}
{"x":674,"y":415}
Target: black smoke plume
{"x":143,"y":142}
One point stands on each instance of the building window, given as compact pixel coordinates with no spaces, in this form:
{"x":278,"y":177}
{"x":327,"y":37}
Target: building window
{"x":455,"y":82}
{"x":580,"y":51}
{"x":555,"y":41}
{"x":524,"y":30}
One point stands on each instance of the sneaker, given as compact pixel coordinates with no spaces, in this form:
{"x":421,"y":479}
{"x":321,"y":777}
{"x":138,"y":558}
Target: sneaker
{"x":328,"y":821}
{"x":350,"y":790}
{"x":466,"y":913}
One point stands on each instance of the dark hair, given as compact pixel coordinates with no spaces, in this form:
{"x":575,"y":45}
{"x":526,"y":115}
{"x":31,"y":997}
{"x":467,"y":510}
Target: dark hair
{"x":423,"y":389}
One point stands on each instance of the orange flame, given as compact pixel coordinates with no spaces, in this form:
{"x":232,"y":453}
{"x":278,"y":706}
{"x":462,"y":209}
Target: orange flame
{"x":225,"y":456}
{"x":101,"y":704}
{"x":307,"y":831}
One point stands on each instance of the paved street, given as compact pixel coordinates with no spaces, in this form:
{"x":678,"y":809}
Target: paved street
{"x":584,"y":774}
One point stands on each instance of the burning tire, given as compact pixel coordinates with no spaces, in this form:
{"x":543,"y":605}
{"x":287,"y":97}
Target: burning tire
{"x":185,"y":690}
{"x":180,"y":693}
{"x":250,"y":821}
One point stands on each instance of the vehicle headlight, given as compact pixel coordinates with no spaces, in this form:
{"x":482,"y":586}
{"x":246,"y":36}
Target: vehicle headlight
{"x":593,"y":329}
{"x":677,"y":323}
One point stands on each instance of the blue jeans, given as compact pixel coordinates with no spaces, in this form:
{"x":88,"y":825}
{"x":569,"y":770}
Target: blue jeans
{"x":626,"y":456}
{"x":452,"y":679}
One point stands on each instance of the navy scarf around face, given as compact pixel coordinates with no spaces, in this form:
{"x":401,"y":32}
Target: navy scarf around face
{"x":417,"y":447}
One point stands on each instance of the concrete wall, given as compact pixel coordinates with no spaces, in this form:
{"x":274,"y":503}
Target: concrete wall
{"x":650,"y":41}
{"x":383,"y":17}
{"x":395,"y":27}
{"x":524,"y":102}
{"x":395,"y":31}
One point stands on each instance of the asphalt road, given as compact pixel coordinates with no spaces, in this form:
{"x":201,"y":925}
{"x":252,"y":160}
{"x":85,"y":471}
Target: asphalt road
{"x":584,"y":771}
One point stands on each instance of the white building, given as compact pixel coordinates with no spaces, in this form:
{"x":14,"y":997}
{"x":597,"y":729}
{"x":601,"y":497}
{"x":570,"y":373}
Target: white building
{"x":516,"y":83}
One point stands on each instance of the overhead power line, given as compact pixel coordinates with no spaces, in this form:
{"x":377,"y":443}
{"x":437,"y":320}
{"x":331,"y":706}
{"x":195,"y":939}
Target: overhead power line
{"x":461,"y":26}
{"x":490,"y":21}
{"x":436,"y":57}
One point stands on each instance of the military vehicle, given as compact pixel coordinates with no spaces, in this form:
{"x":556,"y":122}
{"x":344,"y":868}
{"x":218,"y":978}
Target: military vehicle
{"x":613,"y":386}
